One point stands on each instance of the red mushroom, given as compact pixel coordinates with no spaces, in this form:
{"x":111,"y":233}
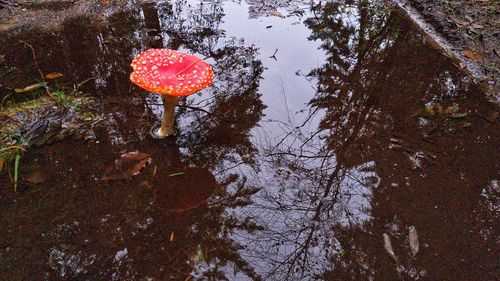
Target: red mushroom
{"x":171,"y":74}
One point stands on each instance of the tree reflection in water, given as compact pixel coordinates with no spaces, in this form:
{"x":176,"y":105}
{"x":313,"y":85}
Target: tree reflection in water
{"x":338,"y":189}
{"x":214,"y":134}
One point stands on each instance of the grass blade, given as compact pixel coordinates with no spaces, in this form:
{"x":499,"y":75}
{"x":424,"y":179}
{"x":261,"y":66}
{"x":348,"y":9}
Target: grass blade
{"x":16,"y":170}
{"x":176,"y":174}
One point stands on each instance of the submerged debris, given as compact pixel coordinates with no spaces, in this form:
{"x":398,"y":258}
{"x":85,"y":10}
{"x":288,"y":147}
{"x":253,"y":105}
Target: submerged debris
{"x":130,"y":164}
{"x":54,"y":75}
{"x":388,"y":247}
{"x":436,"y":109}
{"x":35,"y":177}
{"x":413,"y":240}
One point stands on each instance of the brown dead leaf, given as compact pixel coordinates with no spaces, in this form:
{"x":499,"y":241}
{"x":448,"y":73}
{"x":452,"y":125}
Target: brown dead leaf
{"x":1,"y":164}
{"x":129,"y":164}
{"x":451,"y":110}
{"x":70,"y":125}
{"x":54,"y":75}
{"x":472,"y":55}
{"x":29,"y":88}
{"x":429,"y":108}
{"x":35,"y":177}
{"x":277,"y":14}
{"x":146,"y":184}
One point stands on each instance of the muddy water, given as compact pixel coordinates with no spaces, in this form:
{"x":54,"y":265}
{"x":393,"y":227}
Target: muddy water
{"x":315,"y":131}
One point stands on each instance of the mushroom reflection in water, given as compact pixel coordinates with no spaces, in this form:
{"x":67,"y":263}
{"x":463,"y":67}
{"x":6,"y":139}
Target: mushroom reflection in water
{"x":171,"y":74}
{"x":186,"y":190}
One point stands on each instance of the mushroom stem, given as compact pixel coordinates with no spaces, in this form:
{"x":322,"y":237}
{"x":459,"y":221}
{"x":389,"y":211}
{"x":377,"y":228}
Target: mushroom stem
{"x":167,"y":125}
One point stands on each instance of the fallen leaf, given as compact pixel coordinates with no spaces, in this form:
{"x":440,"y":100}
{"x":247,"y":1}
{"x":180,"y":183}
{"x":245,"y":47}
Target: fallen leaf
{"x":472,"y":55}
{"x":349,"y":9}
{"x":70,"y":125}
{"x":277,"y":14}
{"x":35,"y":178}
{"x":54,"y":75}
{"x":439,"y":109}
{"x":129,"y":164}
{"x":1,"y":164}
{"x":457,"y":115}
{"x":413,"y":239}
{"x":388,"y":247}
{"x":146,"y":185}
{"x":86,"y":116}
{"x":429,"y":108}
{"x":436,"y":109}
{"x":89,"y":135}
{"x":30,"y":88}
{"x":451,"y":109}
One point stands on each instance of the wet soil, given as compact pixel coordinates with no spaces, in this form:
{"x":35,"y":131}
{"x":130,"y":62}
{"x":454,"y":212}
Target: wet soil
{"x":472,"y":27}
{"x":328,"y":125}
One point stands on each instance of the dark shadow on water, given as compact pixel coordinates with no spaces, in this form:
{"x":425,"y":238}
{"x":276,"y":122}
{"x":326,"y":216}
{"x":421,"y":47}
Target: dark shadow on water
{"x":184,"y":190}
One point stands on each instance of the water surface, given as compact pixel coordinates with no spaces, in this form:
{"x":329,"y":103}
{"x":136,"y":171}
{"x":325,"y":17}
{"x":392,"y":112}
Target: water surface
{"x":315,"y":130}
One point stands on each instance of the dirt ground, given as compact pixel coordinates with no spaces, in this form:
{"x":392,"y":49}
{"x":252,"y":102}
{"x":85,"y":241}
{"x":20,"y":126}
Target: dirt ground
{"x":472,"y":28}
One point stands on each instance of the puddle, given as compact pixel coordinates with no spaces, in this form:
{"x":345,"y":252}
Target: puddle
{"x":315,"y":129}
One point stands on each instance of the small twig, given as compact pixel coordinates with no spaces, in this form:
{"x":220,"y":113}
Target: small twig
{"x":285,"y":100}
{"x":42,"y":77}
{"x":496,"y":53}
{"x":274,"y":55}
{"x":426,"y":139}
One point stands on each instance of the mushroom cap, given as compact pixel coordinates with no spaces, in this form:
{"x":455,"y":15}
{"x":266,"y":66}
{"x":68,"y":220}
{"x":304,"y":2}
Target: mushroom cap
{"x":170,"y":72}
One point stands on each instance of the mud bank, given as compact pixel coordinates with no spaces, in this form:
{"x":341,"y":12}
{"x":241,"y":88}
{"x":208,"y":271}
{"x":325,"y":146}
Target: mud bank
{"x":470,"y":30}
